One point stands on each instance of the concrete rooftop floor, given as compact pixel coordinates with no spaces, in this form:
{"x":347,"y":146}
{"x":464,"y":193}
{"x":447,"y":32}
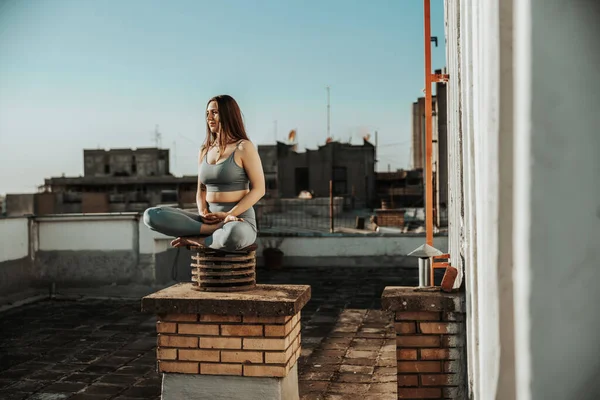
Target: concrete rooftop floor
{"x":105,"y":349}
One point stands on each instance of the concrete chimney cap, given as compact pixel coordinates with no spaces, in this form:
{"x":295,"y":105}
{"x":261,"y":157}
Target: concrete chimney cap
{"x":425,"y":251}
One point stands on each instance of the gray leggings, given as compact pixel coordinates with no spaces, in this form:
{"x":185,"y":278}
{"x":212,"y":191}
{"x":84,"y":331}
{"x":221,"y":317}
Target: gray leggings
{"x":230,"y":237}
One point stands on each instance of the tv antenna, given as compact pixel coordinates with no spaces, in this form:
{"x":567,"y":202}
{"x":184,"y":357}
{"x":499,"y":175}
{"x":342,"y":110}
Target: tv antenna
{"x":328,"y":113}
{"x":174,"y":154}
{"x":157,"y":137}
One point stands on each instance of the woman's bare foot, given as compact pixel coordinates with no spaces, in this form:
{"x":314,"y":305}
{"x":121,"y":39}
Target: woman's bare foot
{"x":231,"y":218}
{"x":197,"y":241}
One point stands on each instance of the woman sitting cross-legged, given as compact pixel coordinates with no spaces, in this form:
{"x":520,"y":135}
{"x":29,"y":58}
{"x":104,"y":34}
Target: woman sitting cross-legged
{"x":231,"y":172}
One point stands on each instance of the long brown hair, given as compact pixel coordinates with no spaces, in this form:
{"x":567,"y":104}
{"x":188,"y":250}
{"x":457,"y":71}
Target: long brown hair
{"x":232,"y":124}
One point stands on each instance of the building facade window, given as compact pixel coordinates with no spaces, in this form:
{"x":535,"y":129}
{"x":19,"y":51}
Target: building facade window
{"x":340,"y":181}
{"x":302,"y":181}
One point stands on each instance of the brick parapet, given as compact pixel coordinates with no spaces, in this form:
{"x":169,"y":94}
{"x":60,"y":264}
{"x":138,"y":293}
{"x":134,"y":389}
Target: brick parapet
{"x":228,"y":345}
{"x":260,"y":339}
{"x":430,"y":342}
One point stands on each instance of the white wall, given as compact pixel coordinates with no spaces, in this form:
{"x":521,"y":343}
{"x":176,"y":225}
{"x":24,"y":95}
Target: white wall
{"x":149,"y":239}
{"x":14,"y":242}
{"x":479,"y":47}
{"x":455,"y":179}
{"x":469,"y":13}
{"x":113,"y":232}
{"x":355,"y":246}
{"x":557,"y":199}
{"x":526,"y":152}
{"x":81,"y":252}
{"x":337,"y":246}
{"x":464,"y":67}
{"x":127,"y":232}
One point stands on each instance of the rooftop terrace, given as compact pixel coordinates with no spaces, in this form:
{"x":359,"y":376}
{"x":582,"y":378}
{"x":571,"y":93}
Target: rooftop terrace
{"x":85,"y":337}
{"x":95,"y":349}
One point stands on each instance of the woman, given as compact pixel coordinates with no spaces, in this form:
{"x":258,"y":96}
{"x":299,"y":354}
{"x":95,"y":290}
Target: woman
{"x":230,"y":182}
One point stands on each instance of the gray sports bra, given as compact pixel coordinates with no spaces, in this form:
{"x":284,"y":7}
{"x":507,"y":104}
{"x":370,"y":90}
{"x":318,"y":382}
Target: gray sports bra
{"x":225,"y":176}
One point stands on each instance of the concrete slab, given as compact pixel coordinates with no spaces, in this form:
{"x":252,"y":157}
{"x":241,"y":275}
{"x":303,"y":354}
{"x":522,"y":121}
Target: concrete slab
{"x":263,"y":300}
{"x":215,"y":387}
{"x":421,"y":299}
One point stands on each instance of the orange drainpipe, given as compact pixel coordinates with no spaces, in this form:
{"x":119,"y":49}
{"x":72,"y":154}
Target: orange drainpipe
{"x":429,"y":79}
{"x":428,"y":134}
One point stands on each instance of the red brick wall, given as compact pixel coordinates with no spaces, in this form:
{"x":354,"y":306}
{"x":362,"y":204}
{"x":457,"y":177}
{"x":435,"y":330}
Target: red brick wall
{"x":429,"y":354}
{"x":45,"y":203}
{"x":390,"y":218}
{"x":94,"y":202}
{"x":228,"y":345}
{"x":430,"y":342}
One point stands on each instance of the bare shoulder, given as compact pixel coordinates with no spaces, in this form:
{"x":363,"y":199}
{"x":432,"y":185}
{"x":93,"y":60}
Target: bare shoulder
{"x":247,"y":147}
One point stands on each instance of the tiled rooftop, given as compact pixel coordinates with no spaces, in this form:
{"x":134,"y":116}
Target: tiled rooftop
{"x":105,"y":349}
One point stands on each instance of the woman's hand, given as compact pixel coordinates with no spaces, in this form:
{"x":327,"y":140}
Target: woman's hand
{"x":213,"y":218}
{"x":209,"y":218}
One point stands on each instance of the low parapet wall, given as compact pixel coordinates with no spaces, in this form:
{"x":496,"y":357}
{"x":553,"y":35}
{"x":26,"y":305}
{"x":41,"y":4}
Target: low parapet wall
{"x":113,"y":254}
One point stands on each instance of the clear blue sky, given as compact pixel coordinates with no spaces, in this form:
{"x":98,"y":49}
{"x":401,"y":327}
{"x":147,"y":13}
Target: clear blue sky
{"x":78,"y":74}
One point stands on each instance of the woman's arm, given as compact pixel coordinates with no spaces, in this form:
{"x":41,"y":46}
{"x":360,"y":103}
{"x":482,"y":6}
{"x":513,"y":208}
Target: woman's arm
{"x":201,"y":199}
{"x":251,"y":163}
{"x":201,"y":191}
